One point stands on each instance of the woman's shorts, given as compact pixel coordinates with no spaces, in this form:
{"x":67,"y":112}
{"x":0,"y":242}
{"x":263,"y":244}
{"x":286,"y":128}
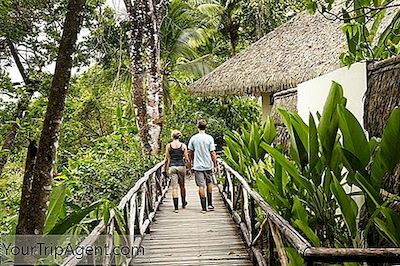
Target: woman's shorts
{"x":177,"y":175}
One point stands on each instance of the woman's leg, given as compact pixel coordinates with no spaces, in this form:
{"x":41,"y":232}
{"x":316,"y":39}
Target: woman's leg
{"x":182,"y":187}
{"x":174,"y":186}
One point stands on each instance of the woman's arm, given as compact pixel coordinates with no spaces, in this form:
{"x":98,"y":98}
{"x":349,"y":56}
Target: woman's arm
{"x":167,"y":158}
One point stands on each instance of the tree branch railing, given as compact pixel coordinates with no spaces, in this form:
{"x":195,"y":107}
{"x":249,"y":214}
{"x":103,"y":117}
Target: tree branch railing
{"x":267,"y":238}
{"x":139,"y":207}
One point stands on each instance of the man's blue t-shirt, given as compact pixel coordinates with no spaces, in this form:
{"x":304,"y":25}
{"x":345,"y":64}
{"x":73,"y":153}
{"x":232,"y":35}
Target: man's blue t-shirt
{"x":202,"y":144}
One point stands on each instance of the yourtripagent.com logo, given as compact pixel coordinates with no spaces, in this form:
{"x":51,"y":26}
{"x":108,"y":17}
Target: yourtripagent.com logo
{"x":61,"y":249}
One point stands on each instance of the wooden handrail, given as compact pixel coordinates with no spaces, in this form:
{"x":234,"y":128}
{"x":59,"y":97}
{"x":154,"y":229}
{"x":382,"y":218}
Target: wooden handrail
{"x":138,"y":206}
{"x":262,"y":240}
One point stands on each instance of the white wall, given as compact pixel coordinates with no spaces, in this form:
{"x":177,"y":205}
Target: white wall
{"x":313,"y":93}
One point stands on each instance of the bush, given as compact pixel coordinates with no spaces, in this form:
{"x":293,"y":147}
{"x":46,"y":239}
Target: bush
{"x":222,"y":114}
{"x":309,"y":185}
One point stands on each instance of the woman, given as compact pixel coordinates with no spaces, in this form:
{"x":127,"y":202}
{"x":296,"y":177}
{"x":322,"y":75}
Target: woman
{"x":176,"y":157}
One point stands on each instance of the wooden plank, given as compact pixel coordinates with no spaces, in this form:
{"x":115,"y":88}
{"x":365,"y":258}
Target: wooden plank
{"x":192,"y":238}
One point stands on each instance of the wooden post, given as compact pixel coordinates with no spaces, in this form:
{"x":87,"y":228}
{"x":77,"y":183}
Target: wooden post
{"x":279,"y":245}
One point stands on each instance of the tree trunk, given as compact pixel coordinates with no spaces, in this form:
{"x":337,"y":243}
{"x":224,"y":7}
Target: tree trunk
{"x":259,"y":19}
{"x":26,"y":188}
{"x":42,"y":175}
{"x":136,"y":17}
{"x":155,"y":103}
{"x":22,"y":106}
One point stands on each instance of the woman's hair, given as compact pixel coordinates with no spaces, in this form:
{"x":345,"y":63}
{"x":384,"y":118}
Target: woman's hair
{"x":176,"y":134}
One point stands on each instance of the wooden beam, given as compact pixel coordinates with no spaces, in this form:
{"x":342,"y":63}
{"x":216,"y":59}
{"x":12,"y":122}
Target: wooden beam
{"x":260,"y":232}
{"x":352,"y":254}
{"x":279,"y":245}
{"x":297,"y":240}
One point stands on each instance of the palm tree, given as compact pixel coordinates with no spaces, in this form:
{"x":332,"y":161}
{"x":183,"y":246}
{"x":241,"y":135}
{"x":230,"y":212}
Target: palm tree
{"x":183,"y":32}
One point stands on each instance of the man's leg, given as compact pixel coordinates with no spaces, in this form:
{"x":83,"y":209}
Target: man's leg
{"x":182,"y":186}
{"x":202,"y":198}
{"x":201,"y":183}
{"x":209,"y":190}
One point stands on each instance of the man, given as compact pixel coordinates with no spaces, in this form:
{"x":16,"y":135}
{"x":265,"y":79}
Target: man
{"x":202,"y":153}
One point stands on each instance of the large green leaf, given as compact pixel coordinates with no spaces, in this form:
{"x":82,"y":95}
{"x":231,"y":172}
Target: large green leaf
{"x":298,"y":136}
{"x":57,"y":198}
{"x":390,"y":225}
{"x":293,"y":146}
{"x":354,"y":139}
{"x":298,"y":210}
{"x":352,"y":163}
{"x":269,"y":192}
{"x":278,"y":177}
{"x":295,"y":258}
{"x":269,"y":130}
{"x":300,"y":127}
{"x":313,"y":144}
{"x":328,"y":125}
{"x":347,"y":206}
{"x":388,"y":155}
{"x":300,"y":180}
{"x":73,"y":219}
{"x":370,"y":191}
{"x":308,"y":232}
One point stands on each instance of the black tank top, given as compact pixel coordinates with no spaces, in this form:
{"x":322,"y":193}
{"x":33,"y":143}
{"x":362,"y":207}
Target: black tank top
{"x":176,"y":156}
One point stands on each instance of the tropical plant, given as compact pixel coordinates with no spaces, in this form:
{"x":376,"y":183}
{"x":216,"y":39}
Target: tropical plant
{"x":308,"y":184}
{"x":368,"y":36}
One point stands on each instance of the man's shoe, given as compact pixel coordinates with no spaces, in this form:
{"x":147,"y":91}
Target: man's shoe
{"x":176,"y":211}
{"x":210,"y":208}
{"x":203,"y":212}
{"x":184,"y":204}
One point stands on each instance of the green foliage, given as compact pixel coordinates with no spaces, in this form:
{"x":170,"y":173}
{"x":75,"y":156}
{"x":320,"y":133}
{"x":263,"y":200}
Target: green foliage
{"x":99,"y":153}
{"x":244,"y":145}
{"x":222,"y":114}
{"x":10,"y":185}
{"x":308,"y":184}
{"x":368,"y":37}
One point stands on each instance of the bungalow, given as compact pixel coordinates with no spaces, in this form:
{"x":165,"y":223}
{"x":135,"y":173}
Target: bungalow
{"x":294,"y":66}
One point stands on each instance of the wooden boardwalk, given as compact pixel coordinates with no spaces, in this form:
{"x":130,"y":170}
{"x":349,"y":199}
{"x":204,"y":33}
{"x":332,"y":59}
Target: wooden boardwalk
{"x":192,"y":238}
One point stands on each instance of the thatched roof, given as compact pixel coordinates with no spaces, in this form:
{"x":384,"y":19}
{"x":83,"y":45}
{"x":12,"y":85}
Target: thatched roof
{"x":303,"y":48}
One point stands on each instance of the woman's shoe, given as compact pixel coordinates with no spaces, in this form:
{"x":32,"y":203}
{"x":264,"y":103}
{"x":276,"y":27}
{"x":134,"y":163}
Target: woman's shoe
{"x":184,"y":204}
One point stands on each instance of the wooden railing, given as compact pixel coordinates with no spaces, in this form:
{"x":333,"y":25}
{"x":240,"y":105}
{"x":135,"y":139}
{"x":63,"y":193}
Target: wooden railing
{"x":138,"y":206}
{"x":266,"y":240}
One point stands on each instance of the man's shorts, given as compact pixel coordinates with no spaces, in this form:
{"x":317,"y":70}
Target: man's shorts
{"x":177,"y":175}
{"x":203,"y":178}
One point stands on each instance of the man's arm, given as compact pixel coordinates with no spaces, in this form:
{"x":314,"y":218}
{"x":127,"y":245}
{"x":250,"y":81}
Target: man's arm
{"x":191,"y":150}
{"x":191,"y":156}
{"x":213,"y":153}
{"x":214,"y":158}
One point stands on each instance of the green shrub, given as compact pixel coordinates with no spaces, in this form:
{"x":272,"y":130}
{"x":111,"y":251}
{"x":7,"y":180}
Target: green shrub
{"x":309,"y":185}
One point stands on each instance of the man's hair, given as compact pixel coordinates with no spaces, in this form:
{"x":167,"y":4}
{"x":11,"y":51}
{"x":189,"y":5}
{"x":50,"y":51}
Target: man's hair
{"x":176,"y":134}
{"x":201,"y":124}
